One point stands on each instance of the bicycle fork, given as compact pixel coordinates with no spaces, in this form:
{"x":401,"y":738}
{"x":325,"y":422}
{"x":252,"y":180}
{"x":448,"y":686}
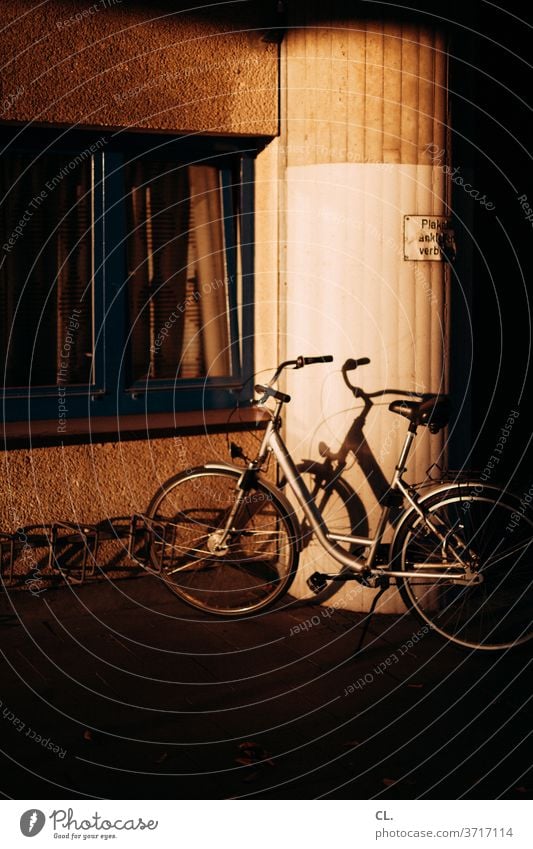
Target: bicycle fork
{"x":217,"y":542}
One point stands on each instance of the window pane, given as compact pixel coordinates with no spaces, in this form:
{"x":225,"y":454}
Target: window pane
{"x":45,"y":278}
{"x":177,"y":280}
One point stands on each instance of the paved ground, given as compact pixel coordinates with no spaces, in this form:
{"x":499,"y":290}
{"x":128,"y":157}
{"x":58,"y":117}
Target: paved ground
{"x":120,"y":691}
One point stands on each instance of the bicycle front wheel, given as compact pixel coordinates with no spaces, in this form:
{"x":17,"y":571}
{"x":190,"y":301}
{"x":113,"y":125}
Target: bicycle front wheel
{"x":255,"y":565}
{"x":481,"y":523}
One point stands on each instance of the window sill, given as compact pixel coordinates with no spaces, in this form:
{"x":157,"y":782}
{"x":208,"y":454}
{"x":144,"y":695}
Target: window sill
{"x":38,"y":434}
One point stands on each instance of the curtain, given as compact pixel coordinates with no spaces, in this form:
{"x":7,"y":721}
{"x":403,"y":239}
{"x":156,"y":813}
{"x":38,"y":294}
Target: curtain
{"x":176,"y":271}
{"x":157,"y":239}
{"x":208,"y":222}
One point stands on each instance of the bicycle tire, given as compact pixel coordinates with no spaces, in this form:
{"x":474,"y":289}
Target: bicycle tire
{"x":260,"y":561}
{"x":495,"y":614}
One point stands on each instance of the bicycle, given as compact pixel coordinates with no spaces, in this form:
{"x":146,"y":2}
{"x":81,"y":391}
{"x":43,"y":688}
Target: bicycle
{"x":226,"y":540}
{"x":337,"y":501}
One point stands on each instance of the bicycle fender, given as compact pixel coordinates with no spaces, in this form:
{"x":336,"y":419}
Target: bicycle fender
{"x":224,"y":467}
{"x":438,"y":489}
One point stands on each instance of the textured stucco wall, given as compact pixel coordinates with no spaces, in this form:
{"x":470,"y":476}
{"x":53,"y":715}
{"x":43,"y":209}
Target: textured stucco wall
{"x":120,"y":63}
{"x":89,"y":483}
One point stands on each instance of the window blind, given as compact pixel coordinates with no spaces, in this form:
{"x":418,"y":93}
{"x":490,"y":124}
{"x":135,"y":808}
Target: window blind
{"x":45,"y":276}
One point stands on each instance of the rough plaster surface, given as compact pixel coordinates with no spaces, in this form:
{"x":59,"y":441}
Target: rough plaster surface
{"x":139,"y":65}
{"x":89,"y":483}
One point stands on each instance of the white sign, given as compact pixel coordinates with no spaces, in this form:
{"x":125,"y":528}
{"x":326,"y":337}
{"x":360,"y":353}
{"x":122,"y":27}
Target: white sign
{"x":427,"y":238}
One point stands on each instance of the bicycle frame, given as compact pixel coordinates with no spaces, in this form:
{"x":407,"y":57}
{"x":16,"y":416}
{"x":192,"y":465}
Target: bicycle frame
{"x":357,"y":566}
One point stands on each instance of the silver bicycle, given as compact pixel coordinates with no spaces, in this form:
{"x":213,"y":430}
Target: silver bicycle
{"x":227,"y":540}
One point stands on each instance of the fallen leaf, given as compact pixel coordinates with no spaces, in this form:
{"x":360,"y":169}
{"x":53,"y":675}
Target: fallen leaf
{"x":252,"y":754}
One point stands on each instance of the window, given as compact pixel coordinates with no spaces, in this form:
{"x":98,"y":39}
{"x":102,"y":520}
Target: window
{"x":126,"y":273}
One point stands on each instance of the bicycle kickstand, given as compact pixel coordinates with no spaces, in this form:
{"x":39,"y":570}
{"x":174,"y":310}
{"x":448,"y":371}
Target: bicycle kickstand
{"x":383,"y":588}
{"x":318,"y":581}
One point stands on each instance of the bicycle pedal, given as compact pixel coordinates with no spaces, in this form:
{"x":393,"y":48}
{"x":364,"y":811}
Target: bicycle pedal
{"x":317,"y":582}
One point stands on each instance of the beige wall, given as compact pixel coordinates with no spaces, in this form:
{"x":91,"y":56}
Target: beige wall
{"x":363,"y":91}
{"x":139,"y":65}
{"x":268,"y":320}
{"x":363,"y":100}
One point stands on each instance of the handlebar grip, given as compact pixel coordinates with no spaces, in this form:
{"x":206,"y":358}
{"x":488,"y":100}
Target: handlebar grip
{"x":268,"y":392}
{"x":309,"y":361}
{"x":350,"y":365}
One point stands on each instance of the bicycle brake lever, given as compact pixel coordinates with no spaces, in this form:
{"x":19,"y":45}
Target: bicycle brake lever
{"x":271,"y":393}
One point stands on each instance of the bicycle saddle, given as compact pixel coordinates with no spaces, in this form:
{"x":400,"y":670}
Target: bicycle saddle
{"x":432,"y":411}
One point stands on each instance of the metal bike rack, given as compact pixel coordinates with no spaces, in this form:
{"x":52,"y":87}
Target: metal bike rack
{"x":69,"y":550}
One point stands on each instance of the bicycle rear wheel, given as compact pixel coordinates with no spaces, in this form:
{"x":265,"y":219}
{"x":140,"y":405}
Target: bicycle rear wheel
{"x":495,"y":613}
{"x":260,"y":557}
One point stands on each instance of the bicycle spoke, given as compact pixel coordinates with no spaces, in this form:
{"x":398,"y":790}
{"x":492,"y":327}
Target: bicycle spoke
{"x":212,"y":567}
{"x":492,"y":612}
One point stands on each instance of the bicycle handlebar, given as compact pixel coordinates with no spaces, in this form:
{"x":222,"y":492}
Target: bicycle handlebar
{"x":299,"y":362}
{"x":349,"y":365}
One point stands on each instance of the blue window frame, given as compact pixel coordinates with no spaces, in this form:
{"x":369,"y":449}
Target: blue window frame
{"x":126,"y":273}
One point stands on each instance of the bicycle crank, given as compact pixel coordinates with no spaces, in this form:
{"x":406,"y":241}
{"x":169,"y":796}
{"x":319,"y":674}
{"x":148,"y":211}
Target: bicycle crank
{"x":318,"y":581}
